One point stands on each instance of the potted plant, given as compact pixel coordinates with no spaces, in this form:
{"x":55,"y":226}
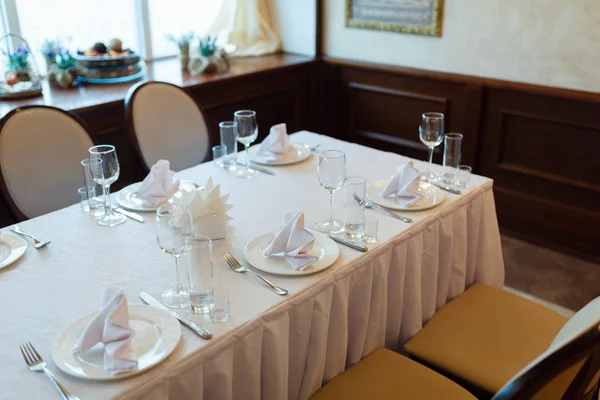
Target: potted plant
{"x":18,"y":64}
{"x":49,"y":49}
{"x":183,"y":42}
{"x":65,"y":70}
{"x":211,"y":60}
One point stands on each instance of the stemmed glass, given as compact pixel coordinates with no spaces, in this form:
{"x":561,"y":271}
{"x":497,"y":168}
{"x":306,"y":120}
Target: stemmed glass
{"x":174,"y":234}
{"x":104,"y":167}
{"x":246,"y":132}
{"x":332,"y":176}
{"x":431,"y":133}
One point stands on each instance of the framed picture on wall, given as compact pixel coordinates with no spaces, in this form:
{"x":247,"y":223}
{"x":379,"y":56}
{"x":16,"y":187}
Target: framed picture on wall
{"x":420,"y":17}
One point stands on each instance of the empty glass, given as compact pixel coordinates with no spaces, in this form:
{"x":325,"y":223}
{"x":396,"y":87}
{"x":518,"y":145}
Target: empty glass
{"x":356,"y":188}
{"x":197,"y":261}
{"x":227,"y":131}
{"x":431,"y":133}
{"x":371,"y":228}
{"x":218,"y":153}
{"x":219,"y":309}
{"x":246,"y":132}
{"x":96,"y":202}
{"x":174,"y":233}
{"x":464,"y":176}
{"x":331,"y":171}
{"x":452,"y":154}
{"x":104,"y":166}
{"x":85,"y":193}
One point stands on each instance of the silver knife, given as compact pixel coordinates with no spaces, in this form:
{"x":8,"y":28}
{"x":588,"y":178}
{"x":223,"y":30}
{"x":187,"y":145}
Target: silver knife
{"x":446,"y":188}
{"x":129,"y":214}
{"x":199,"y":329}
{"x":261,"y":169}
{"x":348,"y":243}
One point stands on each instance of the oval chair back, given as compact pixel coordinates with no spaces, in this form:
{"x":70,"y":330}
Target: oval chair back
{"x":574,"y":352}
{"x":41,"y":149}
{"x":166,"y":123}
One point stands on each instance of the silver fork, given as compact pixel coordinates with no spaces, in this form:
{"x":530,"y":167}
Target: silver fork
{"x":36,"y":363}
{"x":237,"y":267}
{"x":38,"y":244}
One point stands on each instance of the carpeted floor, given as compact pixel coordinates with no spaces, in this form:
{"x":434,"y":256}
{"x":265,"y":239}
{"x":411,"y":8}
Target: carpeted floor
{"x":549,"y":275}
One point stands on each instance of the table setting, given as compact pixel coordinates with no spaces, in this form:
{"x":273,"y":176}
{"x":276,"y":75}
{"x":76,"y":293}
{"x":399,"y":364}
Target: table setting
{"x":259,"y":257}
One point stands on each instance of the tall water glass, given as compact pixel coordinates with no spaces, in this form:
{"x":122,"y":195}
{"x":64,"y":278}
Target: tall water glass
{"x":452,"y":155}
{"x":431,"y":133}
{"x":227,"y":131}
{"x":356,"y":187}
{"x":174,"y":233}
{"x":106,"y":173}
{"x":96,"y":201}
{"x":198,"y":263}
{"x":246,"y":132}
{"x":331,"y":171}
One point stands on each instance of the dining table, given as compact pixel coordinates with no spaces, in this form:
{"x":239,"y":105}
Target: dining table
{"x":271,"y":347}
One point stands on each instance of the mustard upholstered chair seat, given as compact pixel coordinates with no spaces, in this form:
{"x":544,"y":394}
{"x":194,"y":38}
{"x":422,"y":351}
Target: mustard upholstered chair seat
{"x":384,"y":375}
{"x":485,"y":336}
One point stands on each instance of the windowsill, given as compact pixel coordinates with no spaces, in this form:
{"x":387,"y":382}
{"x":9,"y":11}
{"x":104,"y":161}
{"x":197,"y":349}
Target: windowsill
{"x":167,"y":70}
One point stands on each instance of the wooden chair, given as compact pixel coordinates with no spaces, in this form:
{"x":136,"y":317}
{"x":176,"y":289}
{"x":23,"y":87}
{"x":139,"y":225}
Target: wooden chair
{"x":486,"y":336}
{"x":164,"y":122}
{"x":385,"y":375}
{"x":41,"y":149}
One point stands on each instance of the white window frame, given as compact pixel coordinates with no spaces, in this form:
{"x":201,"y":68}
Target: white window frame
{"x":10,"y":16}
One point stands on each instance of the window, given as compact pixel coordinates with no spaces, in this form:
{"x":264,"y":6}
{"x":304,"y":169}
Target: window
{"x":191,"y":15}
{"x":141,"y":24}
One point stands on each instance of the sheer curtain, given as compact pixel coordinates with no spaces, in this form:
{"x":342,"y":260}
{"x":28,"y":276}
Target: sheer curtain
{"x":247,"y":24}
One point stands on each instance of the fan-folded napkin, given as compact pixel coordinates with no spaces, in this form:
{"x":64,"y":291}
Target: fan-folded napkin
{"x":276,"y":144}
{"x":111,"y":328}
{"x":292,"y":242}
{"x":158,"y":186}
{"x":209,"y":210}
{"x":404,"y":186}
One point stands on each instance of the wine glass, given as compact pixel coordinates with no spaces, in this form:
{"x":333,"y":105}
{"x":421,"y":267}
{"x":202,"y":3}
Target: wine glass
{"x":104,"y":166}
{"x":174,"y":234}
{"x":332,"y":176}
{"x":431,"y":133}
{"x":246,"y":132}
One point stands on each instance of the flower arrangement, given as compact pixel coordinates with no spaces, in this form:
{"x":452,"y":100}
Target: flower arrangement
{"x":18,"y":63}
{"x":183,"y":42}
{"x":65,"y":70}
{"x":50,"y":49}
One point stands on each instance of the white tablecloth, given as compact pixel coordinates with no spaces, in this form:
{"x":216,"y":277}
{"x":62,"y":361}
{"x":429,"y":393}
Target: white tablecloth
{"x":272,"y":347}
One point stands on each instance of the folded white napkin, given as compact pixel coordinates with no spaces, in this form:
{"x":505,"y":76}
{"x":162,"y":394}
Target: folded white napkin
{"x":158,"y":186}
{"x":404,"y":186}
{"x":276,"y":145}
{"x":111,"y":328}
{"x":292,"y":242}
{"x":209,"y":210}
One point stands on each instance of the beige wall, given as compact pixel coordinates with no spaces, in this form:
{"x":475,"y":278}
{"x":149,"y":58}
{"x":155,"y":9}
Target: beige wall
{"x":546,"y":42}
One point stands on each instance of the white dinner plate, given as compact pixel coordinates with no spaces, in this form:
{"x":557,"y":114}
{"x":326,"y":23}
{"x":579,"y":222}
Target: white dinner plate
{"x":12,"y":247}
{"x":432,"y":196}
{"x":157,"y":333}
{"x":128,"y":198}
{"x":296,"y":153}
{"x":325,"y":249}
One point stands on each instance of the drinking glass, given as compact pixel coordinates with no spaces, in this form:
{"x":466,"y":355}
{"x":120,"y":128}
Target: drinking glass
{"x":219,"y":309}
{"x":464,"y":176}
{"x":452,"y":154}
{"x":85,"y":194}
{"x":96,"y":202}
{"x":356,"y":186}
{"x":197,"y":261}
{"x":104,"y":166}
{"x":371,"y":228}
{"x":218,"y":153}
{"x":431,"y":133}
{"x":331,"y":171}
{"x":227,"y":131}
{"x":174,"y":233}
{"x":246,"y":132}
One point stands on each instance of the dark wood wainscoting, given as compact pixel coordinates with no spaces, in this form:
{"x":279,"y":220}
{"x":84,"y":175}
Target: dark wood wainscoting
{"x":278,"y":89}
{"x":539,"y":144}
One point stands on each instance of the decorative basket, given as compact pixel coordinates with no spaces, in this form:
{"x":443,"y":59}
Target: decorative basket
{"x":25,"y":81}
